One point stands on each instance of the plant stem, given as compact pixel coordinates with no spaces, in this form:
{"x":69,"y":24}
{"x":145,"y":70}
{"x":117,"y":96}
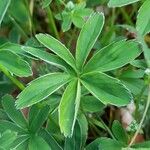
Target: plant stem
{"x":52,"y":22}
{"x":13,"y":79}
{"x":142,"y":120}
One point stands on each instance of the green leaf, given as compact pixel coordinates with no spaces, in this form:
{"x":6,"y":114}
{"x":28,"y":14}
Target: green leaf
{"x":74,"y":142}
{"x":87,"y":38}
{"x":94,"y":145}
{"x":83,"y":123}
{"x":104,"y":144}
{"x":109,"y":144}
{"x":49,"y":139}
{"x":21,"y":143}
{"x":143,"y":19}
{"x":14,"y":64}
{"x":113,"y":56}
{"x":78,"y":21}
{"x":3,"y":8}
{"x":15,"y":48}
{"x":38,"y":143}
{"x":46,"y":3}
{"x":120,"y":3}
{"x":66,"y":25}
{"x":40,"y":88}
{"x":37,"y":117}
{"x":57,"y":47}
{"x":68,"y":108}
{"x":7,"y":138}
{"x":107,"y":89}
{"x":119,"y":132}
{"x":15,"y":115}
{"x":91,"y":104}
{"x":142,"y":145}
{"x":7,"y":125}
{"x":47,"y":57}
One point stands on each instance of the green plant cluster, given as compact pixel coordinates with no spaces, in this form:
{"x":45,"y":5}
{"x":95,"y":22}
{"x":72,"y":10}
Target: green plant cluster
{"x":56,"y":87}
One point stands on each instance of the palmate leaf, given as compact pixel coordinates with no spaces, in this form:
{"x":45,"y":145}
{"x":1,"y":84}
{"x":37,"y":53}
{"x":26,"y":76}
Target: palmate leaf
{"x":107,"y":89}
{"x":40,"y":88}
{"x":87,"y":38}
{"x":3,"y":8}
{"x":120,"y":3}
{"x":68,"y":107}
{"x":143,"y":18}
{"x":57,"y":47}
{"x":14,"y":64}
{"x":113,"y":56}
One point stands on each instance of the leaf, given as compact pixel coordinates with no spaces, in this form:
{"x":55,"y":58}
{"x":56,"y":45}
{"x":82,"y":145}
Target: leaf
{"x":91,"y":104}
{"x":21,"y":143}
{"x":139,"y":63}
{"x":37,"y":117}
{"x":14,"y":64}
{"x":16,"y":116}
{"x":40,"y":88}
{"x":78,"y":21}
{"x":143,"y":18}
{"x":66,"y":24}
{"x":107,"y":89}
{"x":46,"y":3}
{"x":7,"y":125}
{"x":87,"y":38}
{"x":49,"y":139}
{"x":83,"y":123}
{"x":47,"y":57}
{"x":104,"y":144}
{"x":57,"y":47}
{"x":142,"y":145}
{"x":74,"y":142}
{"x":113,"y":56}
{"x":38,"y":143}
{"x":7,"y":138}
{"x":3,"y":8}
{"x":120,"y":3}
{"x":109,"y":144}
{"x":119,"y":132}
{"x":94,"y":145}
{"x":15,"y":48}
{"x":68,"y":108}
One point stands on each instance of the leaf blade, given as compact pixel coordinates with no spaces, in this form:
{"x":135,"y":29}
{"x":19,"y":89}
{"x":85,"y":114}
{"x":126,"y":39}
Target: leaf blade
{"x":143,"y":19}
{"x":57,"y":47}
{"x":3,"y":8}
{"x":16,"y":116}
{"x":68,"y":108}
{"x":34,"y":93}
{"x":14,"y":64}
{"x":120,"y":3}
{"x":107,"y":89}
{"x":88,"y":36}
{"x":113,"y":56}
